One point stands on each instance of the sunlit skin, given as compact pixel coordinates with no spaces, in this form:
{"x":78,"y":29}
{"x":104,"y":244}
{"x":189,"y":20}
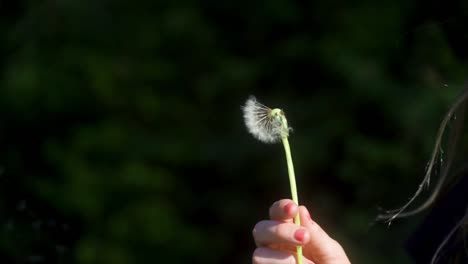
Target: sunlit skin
{"x":277,"y":238}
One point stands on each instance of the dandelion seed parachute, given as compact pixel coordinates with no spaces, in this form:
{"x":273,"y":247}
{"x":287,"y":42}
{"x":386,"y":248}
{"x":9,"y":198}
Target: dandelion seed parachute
{"x":261,"y":122}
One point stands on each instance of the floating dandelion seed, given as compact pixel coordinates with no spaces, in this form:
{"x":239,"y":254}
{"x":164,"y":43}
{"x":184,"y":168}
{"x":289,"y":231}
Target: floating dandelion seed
{"x":270,"y":126}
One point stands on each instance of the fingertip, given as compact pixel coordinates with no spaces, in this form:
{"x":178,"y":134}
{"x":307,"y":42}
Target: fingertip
{"x":283,"y":209}
{"x":281,"y":203}
{"x":302,"y":236}
{"x":257,"y":255}
{"x":290,"y":209}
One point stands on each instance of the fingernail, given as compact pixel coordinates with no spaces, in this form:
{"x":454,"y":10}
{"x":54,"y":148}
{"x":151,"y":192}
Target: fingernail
{"x":299,"y":235}
{"x":288,"y":208}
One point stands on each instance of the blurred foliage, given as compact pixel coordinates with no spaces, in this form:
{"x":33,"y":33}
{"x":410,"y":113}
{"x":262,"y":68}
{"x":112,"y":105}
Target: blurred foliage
{"x":122,"y":138}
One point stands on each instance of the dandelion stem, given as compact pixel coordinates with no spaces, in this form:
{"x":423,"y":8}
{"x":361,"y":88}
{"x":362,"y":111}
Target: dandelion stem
{"x":269,"y":125}
{"x":292,"y":183}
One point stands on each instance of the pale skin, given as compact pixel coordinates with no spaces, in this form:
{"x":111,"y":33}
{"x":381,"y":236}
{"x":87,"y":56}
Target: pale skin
{"x":277,"y":238}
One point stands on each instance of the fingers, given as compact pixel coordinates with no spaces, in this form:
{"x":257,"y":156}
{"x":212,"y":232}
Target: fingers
{"x":269,"y":232}
{"x":283,"y":210}
{"x":277,"y":238}
{"x":321,"y":247}
{"x":272,"y":256}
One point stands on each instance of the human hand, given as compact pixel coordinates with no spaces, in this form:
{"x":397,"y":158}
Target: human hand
{"x":276,"y":239}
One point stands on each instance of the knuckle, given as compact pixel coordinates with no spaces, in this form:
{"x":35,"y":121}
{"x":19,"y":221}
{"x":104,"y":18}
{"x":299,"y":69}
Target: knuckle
{"x":274,"y":207}
{"x":281,"y":230}
{"x":255,"y":229}
{"x":334,"y":250}
{"x":258,"y":228}
{"x":314,"y":227}
{"x":271,"y":211}
{"x":337,"y":247}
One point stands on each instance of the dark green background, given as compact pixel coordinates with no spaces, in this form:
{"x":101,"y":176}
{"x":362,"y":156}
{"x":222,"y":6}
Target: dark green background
{"x":122,"y":139}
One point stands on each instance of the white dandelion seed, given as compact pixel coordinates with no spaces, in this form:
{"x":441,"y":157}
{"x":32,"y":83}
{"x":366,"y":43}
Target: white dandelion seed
{"x":265,"y":124}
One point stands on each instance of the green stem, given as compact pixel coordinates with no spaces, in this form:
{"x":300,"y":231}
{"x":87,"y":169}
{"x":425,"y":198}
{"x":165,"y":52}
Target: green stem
{"x":292,"y":183}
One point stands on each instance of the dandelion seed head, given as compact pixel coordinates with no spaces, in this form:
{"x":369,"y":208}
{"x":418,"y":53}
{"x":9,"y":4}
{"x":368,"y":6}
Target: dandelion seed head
{"x":265,"y":124}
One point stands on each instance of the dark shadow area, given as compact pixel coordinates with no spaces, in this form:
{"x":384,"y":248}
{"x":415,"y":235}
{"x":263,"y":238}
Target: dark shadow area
{"x":122,"y":138}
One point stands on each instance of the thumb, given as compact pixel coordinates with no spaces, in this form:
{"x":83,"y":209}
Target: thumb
{"x":321,"y":247}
